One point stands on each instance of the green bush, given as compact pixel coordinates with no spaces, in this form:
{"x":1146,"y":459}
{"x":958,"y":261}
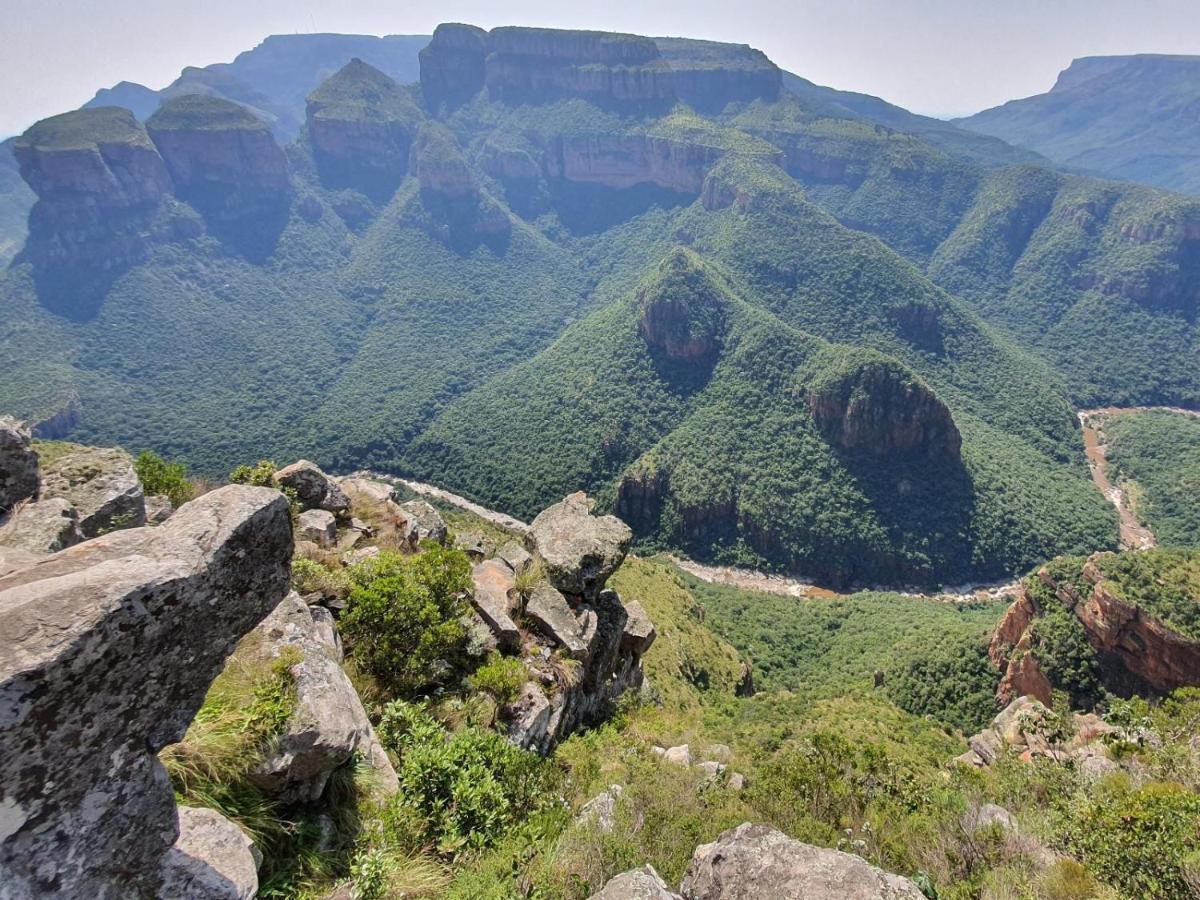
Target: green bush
{"x":1139,"y":840}
{"x":258,"y":474}
{"x":403,"y":617}
{"x":501,"y":677}
{"x":309,"y":576}
{"x":161,"y":477}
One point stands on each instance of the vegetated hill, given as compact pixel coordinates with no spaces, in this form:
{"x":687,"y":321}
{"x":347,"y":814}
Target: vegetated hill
{"x":1158,"y":453}
{"x":1135,"y":117}
{"x":15,"y":201}
{"x":544,"y":268}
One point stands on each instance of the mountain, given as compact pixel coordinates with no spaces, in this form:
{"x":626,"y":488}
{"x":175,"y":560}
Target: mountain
{"x":1132,"y":117}
{"x":762,"y":326}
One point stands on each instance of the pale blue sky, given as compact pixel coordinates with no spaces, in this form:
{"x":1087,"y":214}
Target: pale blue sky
{"x":941,"y":57}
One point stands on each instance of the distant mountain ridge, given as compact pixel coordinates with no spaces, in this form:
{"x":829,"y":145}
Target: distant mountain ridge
{"x":1133,"y":117}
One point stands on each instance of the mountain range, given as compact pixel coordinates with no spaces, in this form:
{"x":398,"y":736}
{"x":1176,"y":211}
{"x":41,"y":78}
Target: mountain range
{"x":764,"y":321}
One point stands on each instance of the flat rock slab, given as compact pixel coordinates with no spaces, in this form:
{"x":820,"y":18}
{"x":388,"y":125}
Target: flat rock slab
{"x":550,"y":612}
{"x":494,"y":583}
{"x":102,"y":486}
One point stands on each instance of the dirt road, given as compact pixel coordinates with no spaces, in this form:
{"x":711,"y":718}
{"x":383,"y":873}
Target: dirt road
{"x":1134,"y":535}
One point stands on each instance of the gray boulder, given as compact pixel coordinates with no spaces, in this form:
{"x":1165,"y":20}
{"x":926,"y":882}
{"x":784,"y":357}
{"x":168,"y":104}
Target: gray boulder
{"x":368,"y":489}
{"x":318,"y":526}
{"x":636,"y":884}
{"x":46,"y":526}
{"x":579,"y":551}
{"x":158,"y":509}
{"x":529,"y":726}
{"x":212,"y":860}
{"x":425,"y":523}
{"x":18,"y":464}
{"x":314,"y":489}
{"x":601,"y":810}
{"x":110,"y":648}
{"x":639,"y":631}
{"x":757,"y":862}
{"x":552,"y":615}
{"x":329,"y":723}
{"x":492,"y":600}
{"x":102,"y":486}
{"x":472,"y":543}
{"x":515,"y":557}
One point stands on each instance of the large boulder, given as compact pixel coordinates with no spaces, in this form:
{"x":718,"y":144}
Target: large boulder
{"x":636,"y":884}
{"x":18,"y":465}
{"x":212,"y":860}
{"x":110,"y":648}
{"x":328,"y":724}
{"x":101,"y":484}
{"x":579,"y":551}
{"x":46,"y":526}
{"x":425,"y":524}
{"x":314,"y":489}
{"x":492,"y":599}
{"x":552,"y":615}
{"x":757,"y":862}
{"x":318,"y":526}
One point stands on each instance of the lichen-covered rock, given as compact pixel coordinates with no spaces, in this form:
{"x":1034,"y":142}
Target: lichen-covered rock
{"x":111,"y":646}
{"x":515,"y":557}
{"x":18,"y":465}
{"x":757,"y":862}
{"x":639,"y":632}
{"x":492,"y":599}
{"x":530,"y":718}
{"x":314,"y":489}
{"x":636,"y":884}
{"x":212,"y":859}
{"x":425,"y":522}
{"x":101,"y":484}
{"x":46,"y":526}
{"x":318,"y":526}
{"x":329,"y":723}
{"x":552,"y":615}
{"x":601,"y":809}
{"x":578,"y":550}
{"x":158,"y":509}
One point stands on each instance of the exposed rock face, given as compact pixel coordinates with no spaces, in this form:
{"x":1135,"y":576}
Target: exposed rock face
{"x":18,"y":465}
{"x":449,"y":189}
{"x":1027,"y":729}
{"x":626,"y":160}
{"x":1010,"y":652}
{"x":636,"y":884}
{"x":222,"y":159}
{"x":452,"y":66}
{"x":683,"y":312}
{"x":212,"y":860}
{"x":314,"y":489}
{"x":318,"y":526}
{"x":425,"y":523}
{"x":707,"y":75}
{"x":361,"y":125}
{"x":578,"y":550}
{"x":493,"y":600}
{"x":550,"y":612}
{"x":329,"y":723}
{"x":101,"y":484}
{"x":112,"y":647}
{"x":47,"y":526}
{"x":757,"y":862}
{"x":880,"y":406}
{"x":99,"y":181}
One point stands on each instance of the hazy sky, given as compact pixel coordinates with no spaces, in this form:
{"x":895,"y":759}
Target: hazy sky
{"x":941,"y":57}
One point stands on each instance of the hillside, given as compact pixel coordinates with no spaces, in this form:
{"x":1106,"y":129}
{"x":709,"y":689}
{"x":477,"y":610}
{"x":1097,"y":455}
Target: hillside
{"x":1130,"y":117}
{"x":761,"y":324}
{"x":1157,"y":454}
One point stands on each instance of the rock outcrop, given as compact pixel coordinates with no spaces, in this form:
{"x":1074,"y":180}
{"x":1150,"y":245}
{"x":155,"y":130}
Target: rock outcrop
{"x":329,"y":724}
{"x":1026,"y":728}
{"x":757,"y":861}
{"x":459,"y":207}
{"x":18,"y":465}
{"x":709,"y":75}
{"x":100,"y":484}
{"x":314,"y":489}
{"x":222,"y":159}
{"x":46,"y":526}
{"x":361,"y":125}
{"x":452,"y":65}
{"x":111,"y":647}
{"x":212,"y":859}
{"x":682,"y":311}
{"x":636,"y":884}
{"x":578,"y":551}
{"x":1011,"y":652}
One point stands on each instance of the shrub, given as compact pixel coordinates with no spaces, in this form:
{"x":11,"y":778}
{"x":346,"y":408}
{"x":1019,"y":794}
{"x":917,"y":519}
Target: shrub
{"x":501,"y":677}
{"x":310,"y":576}
{"x":403,"y":616}
{"x":258,"y":475}
{"x":161,"y":477}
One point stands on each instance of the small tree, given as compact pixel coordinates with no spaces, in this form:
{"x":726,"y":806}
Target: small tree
{"x":161,"y":477}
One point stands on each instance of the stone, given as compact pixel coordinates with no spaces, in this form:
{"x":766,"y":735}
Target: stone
{"x":989,"y":815}
{"x":736,"y":782}
{"x":639,"y":631}
{"x":494,"y":584}
{"x":376,"y":491}
{"x":473,"y":544}
{"x":102,"y":486}
{"x":757,"y":862}
{"x":678,"y":756}
{"x":111,"y":646}
{"x":325,"y":628}
{"x":719,"y":752}
{"x":360,"y":554}
{"x":515,"y":557}
{"x":314,"y":489}
{"x":578,"y":550}
{"x":636,"y":884}
{"x":357,"y":524}
{"x":318,"y":526}
{"x":158,"y":509}
{"x":600,"y":810}
{"x":329,"y":723}
{"x":18,"y":465}
{"x":550,"y":613}
{"x":425,"y":521}
{"x":46,"y":526}
{"x":212,"y":859}
{"x":711,"y":768}
{"x":12,"y":559}
{"x":529,"y":726}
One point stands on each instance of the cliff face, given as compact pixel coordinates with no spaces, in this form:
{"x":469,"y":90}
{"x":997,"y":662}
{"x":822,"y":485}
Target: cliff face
{"x":361,"y":126}
{"x":222,"y":159}
{"x":452,"y":65}
{"x":459,"y":209}
{"x":682,"y":311}
{"x":707,"y":75}
{"x":622,"y":161}
{"x":868,"y":402}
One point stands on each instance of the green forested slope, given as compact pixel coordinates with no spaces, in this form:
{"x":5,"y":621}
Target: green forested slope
{"x":1159,"y":453}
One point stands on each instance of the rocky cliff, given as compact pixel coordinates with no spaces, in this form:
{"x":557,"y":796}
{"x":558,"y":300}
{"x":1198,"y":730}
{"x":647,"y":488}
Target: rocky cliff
{"x":222,"y":159}
{"x":113,"y":644}
{"x":361,"y":125}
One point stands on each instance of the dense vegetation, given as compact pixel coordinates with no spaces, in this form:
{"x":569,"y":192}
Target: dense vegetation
{"x":1158,"y":454}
